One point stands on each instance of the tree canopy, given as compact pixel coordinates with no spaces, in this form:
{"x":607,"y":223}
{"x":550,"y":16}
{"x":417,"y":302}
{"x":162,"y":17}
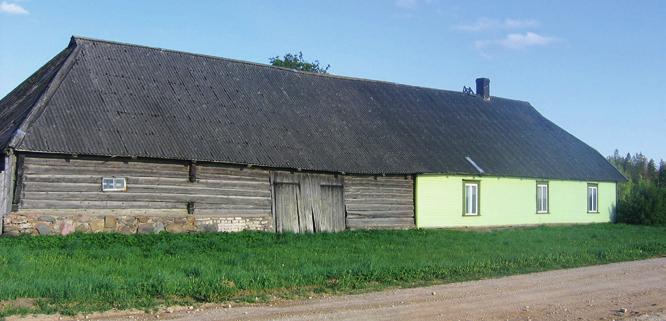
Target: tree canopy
{"x":296,"y":61}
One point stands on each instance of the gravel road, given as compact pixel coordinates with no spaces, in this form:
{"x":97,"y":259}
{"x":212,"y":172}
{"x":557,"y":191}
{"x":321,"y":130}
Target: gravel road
{"x":621,"y":291}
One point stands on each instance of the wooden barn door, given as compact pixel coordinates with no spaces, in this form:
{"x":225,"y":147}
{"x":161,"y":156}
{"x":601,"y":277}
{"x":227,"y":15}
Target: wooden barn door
{"x":308,"y":203}
{"x":286,"y":207}
{"x":332,"y":208}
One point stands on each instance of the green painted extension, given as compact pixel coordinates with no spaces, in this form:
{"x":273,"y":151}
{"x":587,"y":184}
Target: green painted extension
{"x":508,"y":201}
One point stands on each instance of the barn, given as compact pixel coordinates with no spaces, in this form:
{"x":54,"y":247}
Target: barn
{"x":117,"y":137}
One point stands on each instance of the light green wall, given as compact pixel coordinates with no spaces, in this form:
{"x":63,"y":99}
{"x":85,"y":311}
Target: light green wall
{"x":507,"y":201}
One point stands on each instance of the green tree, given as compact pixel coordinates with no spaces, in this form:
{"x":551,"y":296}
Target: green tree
{"x":661,"y":175}
{"x":651,"y":171}
{"x":296,"y":61}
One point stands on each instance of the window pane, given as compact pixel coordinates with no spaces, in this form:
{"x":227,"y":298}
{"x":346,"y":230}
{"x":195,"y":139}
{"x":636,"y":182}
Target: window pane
{"x":592,"y":199}
{"x":113,"y":184}
{"x":467,"y":199}
{"x":471,"y":198}
{"x":107,"y":183}
{"x":474,"y":199}
{"x":542,"y":198}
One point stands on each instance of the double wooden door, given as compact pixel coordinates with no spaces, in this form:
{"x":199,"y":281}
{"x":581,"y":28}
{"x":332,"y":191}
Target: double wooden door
{"x":307,"y":203}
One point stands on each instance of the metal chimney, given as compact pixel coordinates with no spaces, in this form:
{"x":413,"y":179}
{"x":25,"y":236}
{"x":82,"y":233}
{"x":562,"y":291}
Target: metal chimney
{"x":483,"y":88}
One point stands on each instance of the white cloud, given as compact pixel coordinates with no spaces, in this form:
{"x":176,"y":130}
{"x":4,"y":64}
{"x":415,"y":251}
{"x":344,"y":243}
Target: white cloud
{"x":520,"y":23}
{"x":516,"y":41}
{"x":528,"y":39}
{"x":482,"y":24}
{"x":12,"y":8}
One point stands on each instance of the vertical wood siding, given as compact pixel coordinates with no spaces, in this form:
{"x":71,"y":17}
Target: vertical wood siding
{"x":6,"y":187}
{"x":59,"y":184}
{"x":308,"y":202}
{"x":3,"y":194}
{"x":382,"y":202}
{"x":286,"y":208}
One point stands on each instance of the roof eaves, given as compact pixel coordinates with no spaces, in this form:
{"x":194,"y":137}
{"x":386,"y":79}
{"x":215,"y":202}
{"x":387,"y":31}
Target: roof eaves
{"x":42,"y":101}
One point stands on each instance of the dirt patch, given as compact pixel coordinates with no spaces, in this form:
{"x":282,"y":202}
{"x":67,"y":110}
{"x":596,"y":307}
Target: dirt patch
{"x":18,"y":304}
{"x":651,"y":317}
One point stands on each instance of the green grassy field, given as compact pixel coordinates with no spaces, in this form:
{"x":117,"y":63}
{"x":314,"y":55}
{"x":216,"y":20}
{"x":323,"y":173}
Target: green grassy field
{"x":83,"y":273}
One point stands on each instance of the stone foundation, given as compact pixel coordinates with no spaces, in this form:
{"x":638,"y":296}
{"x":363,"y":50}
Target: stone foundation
{"x":46,"y":224}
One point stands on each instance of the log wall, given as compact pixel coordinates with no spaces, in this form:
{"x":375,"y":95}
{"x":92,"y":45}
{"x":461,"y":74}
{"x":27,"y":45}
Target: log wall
{"x":61,"y":195}
{"x":379,"y":202}
{"x":60,"y":186}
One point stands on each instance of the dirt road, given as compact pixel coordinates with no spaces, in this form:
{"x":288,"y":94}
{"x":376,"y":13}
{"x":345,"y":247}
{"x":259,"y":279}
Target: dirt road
{"x":589,"y":293}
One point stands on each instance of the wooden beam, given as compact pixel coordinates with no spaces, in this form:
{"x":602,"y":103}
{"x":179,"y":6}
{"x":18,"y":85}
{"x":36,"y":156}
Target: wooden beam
{"x":18,"y":184}
{"x":193,"y":172}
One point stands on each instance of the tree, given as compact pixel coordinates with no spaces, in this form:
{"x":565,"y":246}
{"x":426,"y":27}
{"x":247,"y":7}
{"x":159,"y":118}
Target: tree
{"x":661,"y":175}
{"x":296,"y":61}
{"x":651,"y":171}
{"x":626,"y":162}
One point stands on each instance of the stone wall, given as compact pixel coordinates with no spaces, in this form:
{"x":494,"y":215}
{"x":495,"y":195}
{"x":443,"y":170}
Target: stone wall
{"x":45,"y":224}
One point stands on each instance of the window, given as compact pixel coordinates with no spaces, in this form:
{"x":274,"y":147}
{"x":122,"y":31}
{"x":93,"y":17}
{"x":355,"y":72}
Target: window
{"x":592,"y":198}
{"x":471,"y":198}
{"x":542,"y":198}
{"x":114,"y":184}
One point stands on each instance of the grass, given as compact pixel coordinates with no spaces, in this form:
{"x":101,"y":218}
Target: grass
{"x":85,"y":272}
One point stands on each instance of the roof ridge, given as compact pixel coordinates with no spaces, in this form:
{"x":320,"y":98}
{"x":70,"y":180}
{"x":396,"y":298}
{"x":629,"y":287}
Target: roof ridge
{"x":45,"y":96}
{"x":307,"y":73}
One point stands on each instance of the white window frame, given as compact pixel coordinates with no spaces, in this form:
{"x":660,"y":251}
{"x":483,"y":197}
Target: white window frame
{"x":114,"y":182}
{"x":542,"y":206}
{"x":472,"y":201}
{"x":592,"y":198}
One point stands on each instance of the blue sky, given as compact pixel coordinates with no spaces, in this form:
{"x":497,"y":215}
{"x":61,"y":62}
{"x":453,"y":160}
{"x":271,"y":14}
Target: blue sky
{"x":596,"y":68}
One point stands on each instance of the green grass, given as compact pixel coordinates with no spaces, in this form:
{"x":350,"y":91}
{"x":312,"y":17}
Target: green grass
{"x":85,"y":272}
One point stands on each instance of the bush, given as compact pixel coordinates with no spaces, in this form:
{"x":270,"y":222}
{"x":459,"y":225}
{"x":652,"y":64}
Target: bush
{"x":642,"y":200}
{"x":642,"y":203}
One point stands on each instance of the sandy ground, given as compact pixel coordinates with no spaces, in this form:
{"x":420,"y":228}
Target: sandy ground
{"x":621,"y":291}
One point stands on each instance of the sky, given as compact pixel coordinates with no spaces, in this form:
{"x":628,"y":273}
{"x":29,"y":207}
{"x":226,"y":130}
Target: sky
{"x":595,"y":68}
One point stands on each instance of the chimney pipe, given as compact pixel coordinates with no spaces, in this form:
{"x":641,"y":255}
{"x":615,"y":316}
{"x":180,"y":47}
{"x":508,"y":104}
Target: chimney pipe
{"x":483,"y":88}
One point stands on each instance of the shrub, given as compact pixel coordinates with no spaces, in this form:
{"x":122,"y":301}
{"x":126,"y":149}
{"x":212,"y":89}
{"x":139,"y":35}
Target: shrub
{"x":642,"y":203}
{"x":642,"y":200}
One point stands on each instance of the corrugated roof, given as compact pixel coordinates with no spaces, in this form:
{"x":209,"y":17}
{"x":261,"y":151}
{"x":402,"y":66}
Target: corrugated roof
{"x":15,"y":107}
{"x":114,"y":99}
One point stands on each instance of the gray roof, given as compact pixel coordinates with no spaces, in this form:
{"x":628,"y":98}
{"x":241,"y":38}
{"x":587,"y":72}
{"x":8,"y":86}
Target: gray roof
{"x":112,"y":99}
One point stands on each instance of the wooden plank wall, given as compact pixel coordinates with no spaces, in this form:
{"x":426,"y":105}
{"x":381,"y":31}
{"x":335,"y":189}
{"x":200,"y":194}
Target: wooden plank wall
{"x":152,"y":188}
{"x":332,"y":202}
{"x":6,"y":186}
{"x":3,"y":193}
{"x":381,"y":202}
{"x":286,"y":208}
